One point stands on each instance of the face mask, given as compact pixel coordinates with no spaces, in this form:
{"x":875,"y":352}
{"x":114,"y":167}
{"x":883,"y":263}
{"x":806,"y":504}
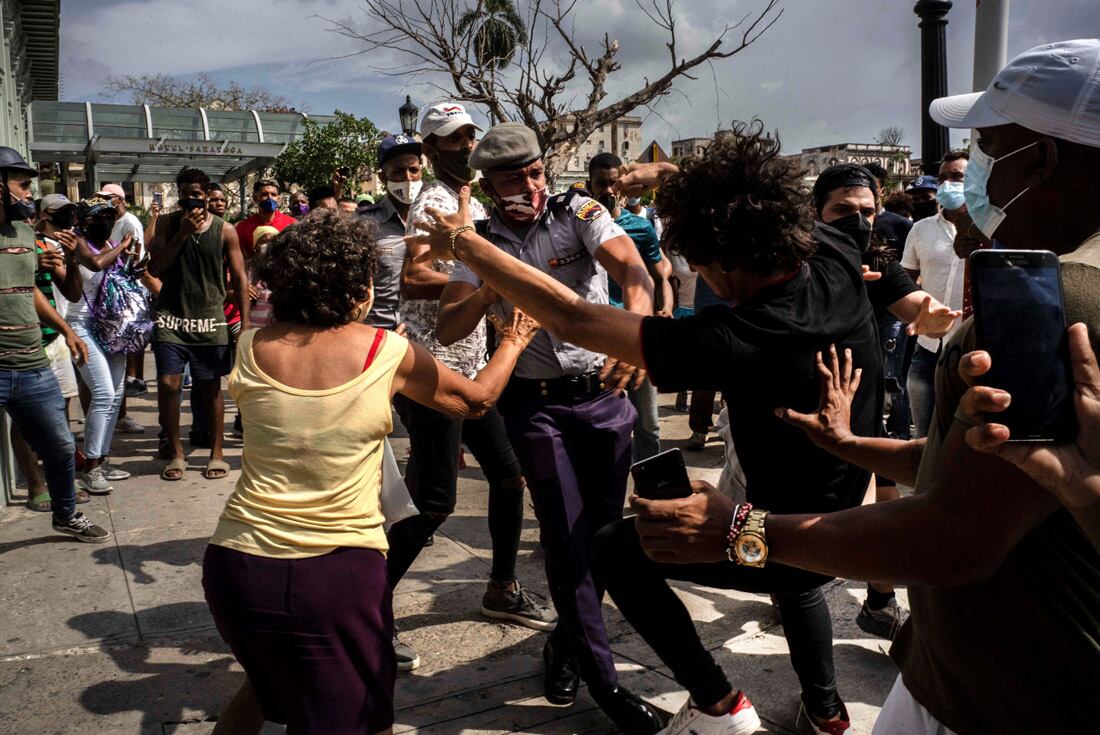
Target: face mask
{"x":633,"y":201}
{"x":925,"y":209}
{"x":98,"y":232}
{"x":189,"y":203}
{"x":269,"y":205}
{"x":525,"y":207}
{"x":454,"y":165}
{"x":608,"y":200}
{"x":24,"y":209}
{"x":986,"y":215}
{"x":62,"y":219}
{"x":950,"y":195}
{"x":857,"y":227}
{"x":299,"y":210}
{"x":404,"y":191}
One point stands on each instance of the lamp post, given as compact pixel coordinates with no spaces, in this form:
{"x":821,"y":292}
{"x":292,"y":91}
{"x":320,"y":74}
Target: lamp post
{"x":408,"y":114}
{"x":933,"y":78}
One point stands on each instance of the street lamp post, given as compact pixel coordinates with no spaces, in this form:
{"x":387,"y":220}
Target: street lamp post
{"x":408,"y":114}
{"x":933,"y":78}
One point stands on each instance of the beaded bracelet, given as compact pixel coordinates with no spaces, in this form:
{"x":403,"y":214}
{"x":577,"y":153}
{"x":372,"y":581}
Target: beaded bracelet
{"x":454,"y":235}
{"x":740,"y":517}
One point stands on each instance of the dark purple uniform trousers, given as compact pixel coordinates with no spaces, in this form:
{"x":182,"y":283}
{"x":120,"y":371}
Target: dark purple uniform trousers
{"x":576,"y":458}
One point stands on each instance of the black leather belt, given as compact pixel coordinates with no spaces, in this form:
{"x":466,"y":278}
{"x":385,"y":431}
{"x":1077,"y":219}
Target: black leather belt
{"x":567,"y":388}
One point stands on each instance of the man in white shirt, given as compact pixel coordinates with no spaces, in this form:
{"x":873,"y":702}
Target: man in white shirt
{"x":930,"y":255}
{"x":127,"y":223}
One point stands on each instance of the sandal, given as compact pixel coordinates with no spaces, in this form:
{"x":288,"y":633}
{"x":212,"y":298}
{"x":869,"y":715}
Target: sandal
{"x":216,"y":469}
{"x":40,"y":503}
{"x":174,"y":469}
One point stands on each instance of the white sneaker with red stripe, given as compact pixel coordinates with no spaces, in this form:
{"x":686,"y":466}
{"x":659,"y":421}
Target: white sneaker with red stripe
{"x":690,"y":720}
{"x":812,"y":726}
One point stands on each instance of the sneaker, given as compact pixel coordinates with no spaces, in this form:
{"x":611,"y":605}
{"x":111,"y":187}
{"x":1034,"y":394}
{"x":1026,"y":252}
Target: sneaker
{"x":697,"y":441}
{"x":95,"y":481}
{"x":681,"y":401}
{"x":811,"y":726}
{"x":518,"y":606}
{"x":430,"y":541}
{"x":884,"y":623}
{"x":740,"y":720}
{"x":113,"y":473}
{"x":80,"y":528}
{"x":128,"y":426}
{"x":407,"y":659}
{"x":136,"y":387}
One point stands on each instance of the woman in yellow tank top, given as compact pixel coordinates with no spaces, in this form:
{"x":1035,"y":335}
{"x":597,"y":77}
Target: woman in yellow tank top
{"x":295,"y":574}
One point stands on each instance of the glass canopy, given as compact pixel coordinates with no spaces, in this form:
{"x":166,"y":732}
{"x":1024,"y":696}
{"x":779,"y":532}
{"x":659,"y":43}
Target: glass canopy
{"x":143,"y":143}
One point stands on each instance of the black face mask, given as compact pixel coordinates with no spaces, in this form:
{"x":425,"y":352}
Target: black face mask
{"x":189,"y":203}
{"x":607,"y":199}
{"x":98,"y":232}
{"x":925,"y":209}
{"x":24,"y":209}
{"x":62,"y":219}
{"x":454,"y":165}
{"x":857,"y":227}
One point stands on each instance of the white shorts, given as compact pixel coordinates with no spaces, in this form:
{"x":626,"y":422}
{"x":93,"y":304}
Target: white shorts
{"x":903,"y":715}
{"x":61,"y":362}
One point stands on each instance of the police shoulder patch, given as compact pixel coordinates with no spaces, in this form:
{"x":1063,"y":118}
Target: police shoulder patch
{"x":590,"y":210}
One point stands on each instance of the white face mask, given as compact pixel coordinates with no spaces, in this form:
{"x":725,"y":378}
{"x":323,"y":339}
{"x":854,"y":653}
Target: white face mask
{"x":404,"y":191}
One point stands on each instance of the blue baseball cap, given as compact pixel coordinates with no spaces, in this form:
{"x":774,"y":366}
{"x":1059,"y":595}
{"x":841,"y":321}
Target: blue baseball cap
{"x":922,"y":182}
{"x":394,"y":145}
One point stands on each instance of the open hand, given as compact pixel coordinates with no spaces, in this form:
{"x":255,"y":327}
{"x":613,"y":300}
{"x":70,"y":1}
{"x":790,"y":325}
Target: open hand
{"x":1069,"y":471}
{"x":193,"y":220}
{"x":831,"y":422}
{"x":521,"y":329}
{"x":68,"y":241}
{"x":934,"y":320}
{"x":435,"y":231}
{"x":691,"y":530}
{"x":618,"y":375}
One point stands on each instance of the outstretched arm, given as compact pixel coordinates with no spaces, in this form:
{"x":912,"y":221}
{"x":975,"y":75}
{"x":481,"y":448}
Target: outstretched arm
{"x":461,"y":308}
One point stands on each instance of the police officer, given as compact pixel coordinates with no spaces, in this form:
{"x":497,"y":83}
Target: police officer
{"x":566,"y":415}
{"x":400,"y":170}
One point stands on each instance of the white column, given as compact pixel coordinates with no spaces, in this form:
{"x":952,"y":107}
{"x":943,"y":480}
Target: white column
{"x":990,"y":40}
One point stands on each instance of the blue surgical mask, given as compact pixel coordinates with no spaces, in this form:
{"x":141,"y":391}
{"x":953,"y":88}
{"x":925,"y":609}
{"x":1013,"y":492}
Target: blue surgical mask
{"x":633,"y":201}
{"x":269,"y":205}
{"x":986,"y":215}
{"x":950,"y":195}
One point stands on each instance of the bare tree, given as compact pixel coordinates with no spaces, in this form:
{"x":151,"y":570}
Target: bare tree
{"x":892,"y":135}
{"x":556,"y":85}
{"x":204,"y":91}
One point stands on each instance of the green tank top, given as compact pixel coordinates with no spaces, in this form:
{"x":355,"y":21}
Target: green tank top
{"x":190,"y":308}
{"x":20,"y":331}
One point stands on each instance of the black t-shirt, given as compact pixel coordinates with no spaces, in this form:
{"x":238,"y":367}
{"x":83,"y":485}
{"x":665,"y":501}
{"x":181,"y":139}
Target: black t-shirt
{"x":893,"y":228}
{"x":894,"y":285}
{"x":761,"y":356}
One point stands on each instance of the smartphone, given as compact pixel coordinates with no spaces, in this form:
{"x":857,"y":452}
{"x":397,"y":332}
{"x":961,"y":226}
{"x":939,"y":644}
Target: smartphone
{"x":1020,"y":318}
{"x":344,"y":171}
{"x":158,"y":199}
{"x":661,"y":477}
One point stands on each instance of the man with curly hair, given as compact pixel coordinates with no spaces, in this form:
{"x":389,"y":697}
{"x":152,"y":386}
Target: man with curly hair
{"x":739,"y":214}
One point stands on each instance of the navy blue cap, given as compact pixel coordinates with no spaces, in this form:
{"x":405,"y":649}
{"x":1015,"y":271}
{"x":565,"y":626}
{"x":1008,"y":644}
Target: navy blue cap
{"x":922,"y":182}
{"x":393,"y":145}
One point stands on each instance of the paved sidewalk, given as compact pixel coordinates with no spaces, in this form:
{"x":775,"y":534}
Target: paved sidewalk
{"x":117,"y":639}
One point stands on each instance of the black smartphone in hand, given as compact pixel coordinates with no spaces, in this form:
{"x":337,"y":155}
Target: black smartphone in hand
{"x":1020,"y":318}
{"x":661,"y":477}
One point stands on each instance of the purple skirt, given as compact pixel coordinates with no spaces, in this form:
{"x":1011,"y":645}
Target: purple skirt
{"x":314,"y":635}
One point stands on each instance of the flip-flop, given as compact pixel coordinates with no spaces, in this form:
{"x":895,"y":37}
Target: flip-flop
{"x":215,"y":466}
{"x":174,"y":470}
{"x":39,"y":503}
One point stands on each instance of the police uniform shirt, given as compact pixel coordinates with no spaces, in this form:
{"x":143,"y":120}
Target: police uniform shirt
{"x":563,"y":243}
{"x":391,"y":254}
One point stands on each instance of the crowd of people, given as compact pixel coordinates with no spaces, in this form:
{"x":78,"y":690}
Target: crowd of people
{"x":535,"y":330}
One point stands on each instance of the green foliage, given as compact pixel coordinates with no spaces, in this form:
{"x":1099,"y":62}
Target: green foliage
{"x":346,"y":141}
{"x":500,"y":31}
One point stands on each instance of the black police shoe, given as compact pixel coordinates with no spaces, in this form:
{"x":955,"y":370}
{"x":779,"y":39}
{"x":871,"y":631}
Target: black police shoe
{"x":562,"y":681}
{"x":630,"y":713}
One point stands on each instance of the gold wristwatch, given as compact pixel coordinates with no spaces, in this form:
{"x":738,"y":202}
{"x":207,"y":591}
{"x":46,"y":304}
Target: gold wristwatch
{"x":751,"y":545}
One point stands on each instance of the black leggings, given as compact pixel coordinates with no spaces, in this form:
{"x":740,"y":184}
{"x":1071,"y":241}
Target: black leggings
{"x":432,"y":477}
{"x":638,"y":586}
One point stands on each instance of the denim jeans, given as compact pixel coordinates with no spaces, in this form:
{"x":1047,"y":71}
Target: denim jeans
{"x":922,"y":390}
{"x":894,"y":340}
{"x":647,"y":427}
{"x":105,"y":376}
{"x":34,"y":401}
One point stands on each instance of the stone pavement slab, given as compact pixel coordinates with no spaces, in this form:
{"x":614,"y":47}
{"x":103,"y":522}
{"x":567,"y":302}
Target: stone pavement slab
{"x":117,"y":638}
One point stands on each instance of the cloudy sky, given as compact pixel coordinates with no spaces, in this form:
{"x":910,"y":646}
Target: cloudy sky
{"x":829,"y":71}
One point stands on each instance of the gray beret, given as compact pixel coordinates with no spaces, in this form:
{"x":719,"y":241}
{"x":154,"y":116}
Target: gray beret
{"x":507,"y":145}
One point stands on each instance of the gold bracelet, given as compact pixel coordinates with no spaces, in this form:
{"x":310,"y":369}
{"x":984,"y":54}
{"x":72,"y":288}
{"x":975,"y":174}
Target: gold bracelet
{"x":454,"y":236}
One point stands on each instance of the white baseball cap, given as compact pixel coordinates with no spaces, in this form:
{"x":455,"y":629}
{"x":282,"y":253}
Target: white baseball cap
{"x":1053,"y":89}
{"x":445,"y":118}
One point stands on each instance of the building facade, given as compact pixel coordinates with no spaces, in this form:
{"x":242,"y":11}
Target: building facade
{"x":622,"y":137}
{"x":28,"y":63}
{"x":896,"y":159}
{"x":689,"y":147}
